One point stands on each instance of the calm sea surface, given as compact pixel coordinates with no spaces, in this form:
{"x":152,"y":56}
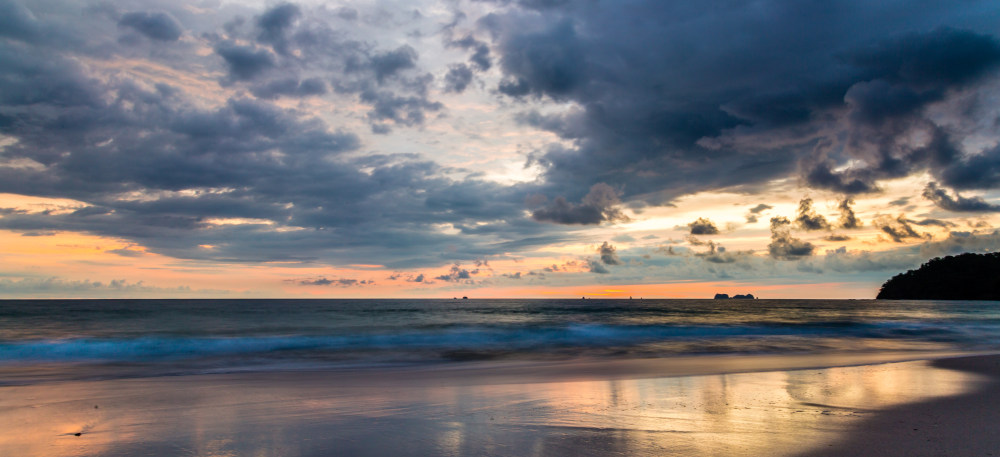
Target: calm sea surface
{"x":147,"y":337}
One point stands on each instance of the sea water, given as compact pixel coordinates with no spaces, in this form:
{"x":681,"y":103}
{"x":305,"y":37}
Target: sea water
{"x":107,"y":338}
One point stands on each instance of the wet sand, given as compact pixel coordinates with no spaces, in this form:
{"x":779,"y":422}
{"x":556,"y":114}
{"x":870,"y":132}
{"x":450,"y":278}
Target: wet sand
{"x":963,"y":425}
{"x":774,"y":406}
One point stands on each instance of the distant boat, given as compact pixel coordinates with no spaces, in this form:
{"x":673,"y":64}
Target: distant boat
{"x":465,"y":298}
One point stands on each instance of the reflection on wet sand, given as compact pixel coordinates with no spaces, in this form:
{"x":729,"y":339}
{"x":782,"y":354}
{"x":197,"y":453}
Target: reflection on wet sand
{"x":319,"y":414}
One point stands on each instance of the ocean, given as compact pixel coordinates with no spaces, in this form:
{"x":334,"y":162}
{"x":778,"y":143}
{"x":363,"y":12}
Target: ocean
{"x":44,"y":340}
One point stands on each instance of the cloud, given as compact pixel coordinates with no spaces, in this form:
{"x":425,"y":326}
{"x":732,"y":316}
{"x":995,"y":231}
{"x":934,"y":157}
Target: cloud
{"x":245,"y":62}
{"x":156,"y":26}
{"x":836,"y":238}
{"x":390,"y":63}
{"x":807,"y":219}
{"x":933,"y":222}
{"x":719,"y":255}
{"x":842,"y":107}
{"x":17,"y":21}
{"x":599,"y":205}
{"x":60,"y":287}
{"x":400,"y":110}
{"x":158,"y":164}
{"x":703,"y":226}
{"x":667,"y":250}
{"x":597,"y":267}
{"x":960,"y":242}
{"x":458,"y":78}
{"x":302,"y":51}
{"x":783,"y":246}
{"x":480,"y":58}
{"x":756,"y":211}
{"x":289,"y":87}
{"x":906,"y":75}
{"x":898,"y":229}
{"x":126,"y":252}
{"x":957,"y":203}
{"x":457,"y":274}
{"x":273,"y":25}
{"x":338,"y":282}
{"x":249,"y":128}
{"x":848,"y":220}
{"x":902,"y":201}
{"x":608,"y":254}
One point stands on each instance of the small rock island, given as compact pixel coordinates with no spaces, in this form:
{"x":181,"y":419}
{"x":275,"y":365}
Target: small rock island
{"x":962,"y":277}
{"x":734,"y":297}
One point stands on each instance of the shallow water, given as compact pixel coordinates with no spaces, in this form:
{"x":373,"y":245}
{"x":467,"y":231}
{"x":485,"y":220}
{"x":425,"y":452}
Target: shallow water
{"x":156,"y":337}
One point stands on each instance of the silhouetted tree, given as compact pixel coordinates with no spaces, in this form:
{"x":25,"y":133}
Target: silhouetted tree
{"x":962,"y":277}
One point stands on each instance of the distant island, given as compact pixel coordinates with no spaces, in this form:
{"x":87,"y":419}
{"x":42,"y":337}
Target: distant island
{"x":727,"y":297}
{"x":961,"y":277}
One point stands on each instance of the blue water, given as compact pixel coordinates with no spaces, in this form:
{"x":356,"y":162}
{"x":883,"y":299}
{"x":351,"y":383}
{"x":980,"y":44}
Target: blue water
{"x":166,"y":336}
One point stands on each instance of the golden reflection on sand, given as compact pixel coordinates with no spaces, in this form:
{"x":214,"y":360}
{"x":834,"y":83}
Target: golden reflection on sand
{"x":305,"y":414}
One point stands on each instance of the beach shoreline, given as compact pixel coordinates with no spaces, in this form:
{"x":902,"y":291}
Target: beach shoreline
{"x":754,"y":406}
{"x":957,"y":425}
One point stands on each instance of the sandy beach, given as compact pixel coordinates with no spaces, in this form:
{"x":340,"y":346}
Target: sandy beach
{"x":961,"y":425}
{"x":719,"y":406}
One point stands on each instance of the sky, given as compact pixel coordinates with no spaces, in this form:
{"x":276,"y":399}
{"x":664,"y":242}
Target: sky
{"x":492,"y":148}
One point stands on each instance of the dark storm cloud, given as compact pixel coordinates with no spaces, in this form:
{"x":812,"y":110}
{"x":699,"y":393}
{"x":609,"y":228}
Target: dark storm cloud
{"x":157,"y":167}
{"x":670,"y":106}
{"x":289,"y":87}
{"x":783,"y":245}
{"x":608,"y":253}
{"x":347,"y":13}
{"x":754,"y":212}
{"x":291,"y":51}
{"x":907,"y":74}
{"x":898,"y":229}
{"x":389,"y":63}
{"x":657,"y":101}
{"x":942,"y":56}
{"x":157,"y":26}
{"x":549,"y":62}
{"x":480,"y":58}
{"x":401,"y":110}
{"x":456,"y":274}
{"x":703,"y":226}
{"x":245,"y":62}
{"x":596,"y":267}
{"x":458,"y":78}
{"x":18,"y":22}
{"x":532,"y":4}
{"x":848,"y":219}
{"x":958,"y":203}
{"x":275,"y":23}
{"x":807,"y":218}
{"x":599,"y":205}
